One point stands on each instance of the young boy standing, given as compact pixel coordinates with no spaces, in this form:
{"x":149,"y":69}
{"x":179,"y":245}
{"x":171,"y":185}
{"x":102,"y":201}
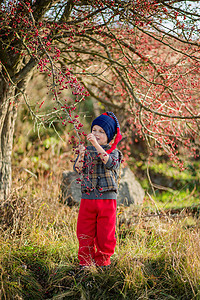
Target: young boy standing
{"x":99,"y":165}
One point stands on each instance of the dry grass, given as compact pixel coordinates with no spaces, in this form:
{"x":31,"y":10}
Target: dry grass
{"x":157,"y":257}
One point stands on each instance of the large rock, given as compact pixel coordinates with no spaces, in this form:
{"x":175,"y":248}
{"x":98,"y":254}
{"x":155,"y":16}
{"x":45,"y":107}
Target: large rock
{"x":70,"y":188}
{"x":130,"y":190}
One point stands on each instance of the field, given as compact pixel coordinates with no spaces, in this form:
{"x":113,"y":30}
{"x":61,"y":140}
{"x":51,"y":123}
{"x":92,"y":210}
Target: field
{"x":158,"y":243}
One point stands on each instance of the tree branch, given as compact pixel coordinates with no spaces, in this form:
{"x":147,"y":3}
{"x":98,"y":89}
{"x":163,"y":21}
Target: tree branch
{"x":113,"y":105}
{"x":67,"y":11}
{"x":87,"y":17}
{"x":179,"y":9}
{"x":40,"y":7}
{"x":138,"y":101}
{"x":24,"y":72}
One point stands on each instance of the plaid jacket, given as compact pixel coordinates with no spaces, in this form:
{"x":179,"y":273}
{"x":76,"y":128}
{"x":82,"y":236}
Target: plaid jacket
{"x":100,"y":176}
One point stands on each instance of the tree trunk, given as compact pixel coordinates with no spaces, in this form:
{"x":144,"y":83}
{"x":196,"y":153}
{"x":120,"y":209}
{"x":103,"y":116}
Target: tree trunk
{"x":8,"y":114}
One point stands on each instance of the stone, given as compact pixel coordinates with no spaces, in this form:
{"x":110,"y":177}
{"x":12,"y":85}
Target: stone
{"x":130,"y":190}
{"x":70,"y":188}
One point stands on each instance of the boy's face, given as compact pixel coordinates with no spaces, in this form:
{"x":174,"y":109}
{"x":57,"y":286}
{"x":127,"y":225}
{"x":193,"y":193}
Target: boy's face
{"x":100,"y":135}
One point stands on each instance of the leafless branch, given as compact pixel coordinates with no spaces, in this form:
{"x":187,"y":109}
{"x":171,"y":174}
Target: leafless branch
{"x":113,"y":105}
{"x":67,"y":11}
{"x":94,"y":13}
{"x":40,"y":7}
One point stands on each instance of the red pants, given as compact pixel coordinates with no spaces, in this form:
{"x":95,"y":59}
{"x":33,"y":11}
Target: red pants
{"x":96,"y":231}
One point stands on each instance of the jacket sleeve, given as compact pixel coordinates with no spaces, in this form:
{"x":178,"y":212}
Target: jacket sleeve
{"x":75,"y":164}
{"x":114,"y":160}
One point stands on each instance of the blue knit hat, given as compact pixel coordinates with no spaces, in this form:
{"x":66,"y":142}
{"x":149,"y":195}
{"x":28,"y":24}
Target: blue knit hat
{"x":108,"y":121}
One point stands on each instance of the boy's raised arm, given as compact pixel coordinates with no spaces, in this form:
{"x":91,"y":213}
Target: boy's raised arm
{"x":102,"y":153}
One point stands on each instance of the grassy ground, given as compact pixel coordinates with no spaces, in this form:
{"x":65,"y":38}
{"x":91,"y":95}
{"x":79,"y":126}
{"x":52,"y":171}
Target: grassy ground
{"x":167,"y":185}
{"x":157,"y":254}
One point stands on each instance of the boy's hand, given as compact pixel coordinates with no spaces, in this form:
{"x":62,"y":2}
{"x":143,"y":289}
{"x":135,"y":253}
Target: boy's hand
{"x":81,"y":149}
{"x":91,"y":138}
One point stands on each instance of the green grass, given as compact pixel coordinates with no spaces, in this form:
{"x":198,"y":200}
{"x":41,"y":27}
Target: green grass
{"x":169,"y":187}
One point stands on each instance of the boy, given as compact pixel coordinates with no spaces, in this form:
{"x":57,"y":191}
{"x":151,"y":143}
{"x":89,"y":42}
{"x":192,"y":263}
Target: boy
{"x":99,"y":166}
